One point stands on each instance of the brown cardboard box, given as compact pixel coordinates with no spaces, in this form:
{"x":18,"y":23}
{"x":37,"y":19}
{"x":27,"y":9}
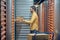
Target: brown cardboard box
{"x":38,"y":36}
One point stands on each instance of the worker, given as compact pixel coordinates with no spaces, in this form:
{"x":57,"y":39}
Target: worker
{"x":33,"y":21}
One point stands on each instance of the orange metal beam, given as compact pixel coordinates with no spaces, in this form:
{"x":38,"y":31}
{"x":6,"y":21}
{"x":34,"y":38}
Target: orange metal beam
{"x":13,"y":20}
{"x":50,"y":17}
{"x":3,"y":20}
{"x":42,"y":17}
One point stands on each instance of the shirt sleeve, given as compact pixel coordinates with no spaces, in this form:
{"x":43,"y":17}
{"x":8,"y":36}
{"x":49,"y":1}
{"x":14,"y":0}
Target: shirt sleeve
{"x":30,"y":21}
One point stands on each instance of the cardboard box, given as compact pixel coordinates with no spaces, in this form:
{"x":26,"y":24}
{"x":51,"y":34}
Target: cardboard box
{"x":38,"y":37}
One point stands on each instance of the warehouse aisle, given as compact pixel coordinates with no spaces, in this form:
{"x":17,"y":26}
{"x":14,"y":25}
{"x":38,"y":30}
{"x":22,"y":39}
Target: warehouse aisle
{"x":22,"y":8}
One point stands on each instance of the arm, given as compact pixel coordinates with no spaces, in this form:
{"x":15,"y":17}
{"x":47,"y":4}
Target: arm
{"x":30,"y":21}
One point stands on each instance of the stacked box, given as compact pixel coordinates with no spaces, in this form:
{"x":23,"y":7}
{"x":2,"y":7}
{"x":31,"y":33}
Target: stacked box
{"x":38,"y":37}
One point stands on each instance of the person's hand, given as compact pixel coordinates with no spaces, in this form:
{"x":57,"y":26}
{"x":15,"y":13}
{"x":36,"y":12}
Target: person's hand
{"x":21,"y":19}
{"x":17,"y":19}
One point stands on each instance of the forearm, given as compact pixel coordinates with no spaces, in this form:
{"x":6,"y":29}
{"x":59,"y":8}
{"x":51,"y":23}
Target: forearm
{"x":26,"y":21}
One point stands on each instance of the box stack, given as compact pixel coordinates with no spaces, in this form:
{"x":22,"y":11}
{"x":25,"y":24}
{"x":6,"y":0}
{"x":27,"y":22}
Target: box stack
{"x":38,"y":37}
